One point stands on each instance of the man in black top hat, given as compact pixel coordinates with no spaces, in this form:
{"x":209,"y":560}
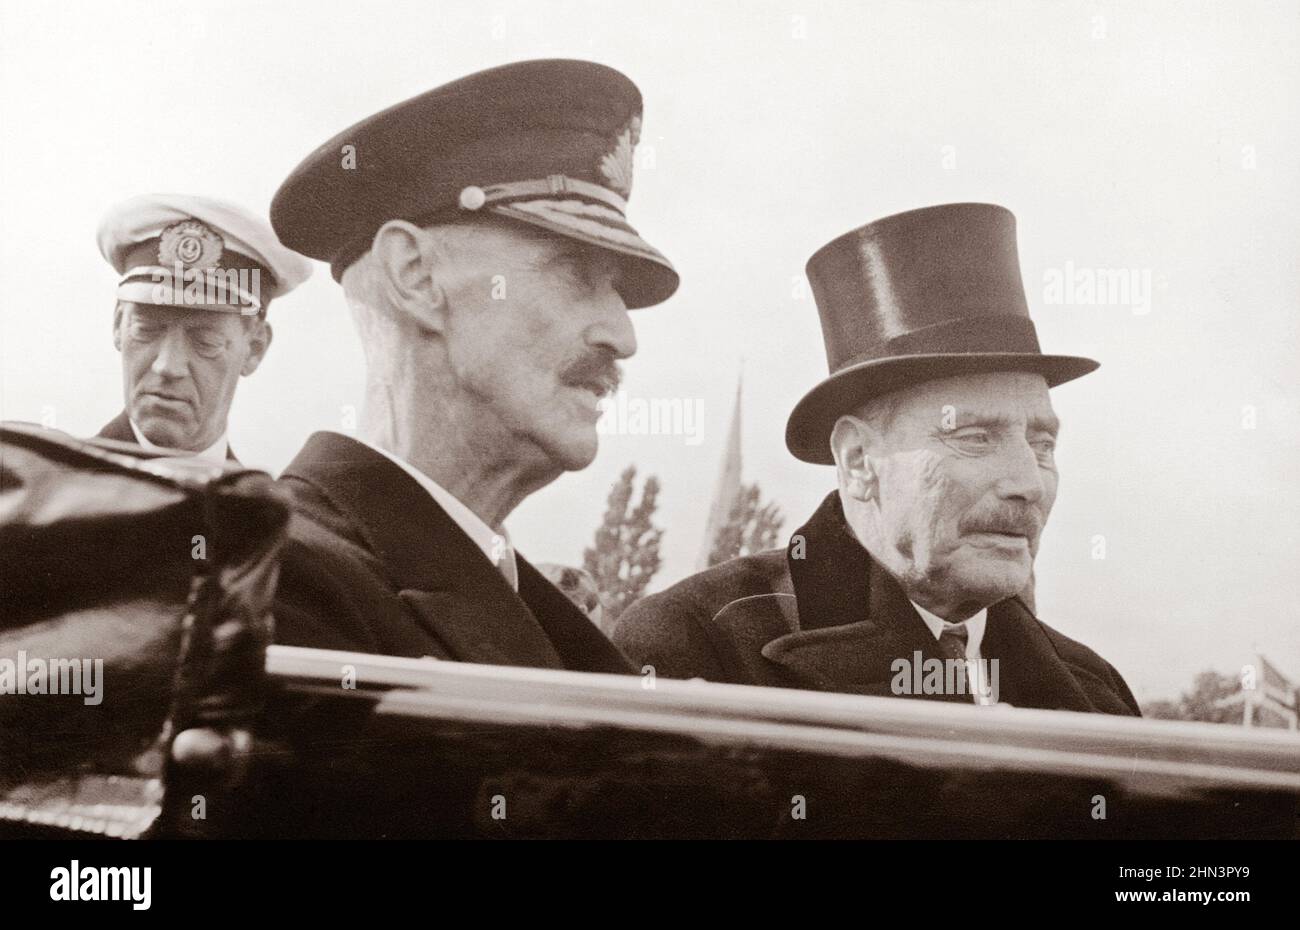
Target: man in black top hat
{"x":936,"y":416}
{"x":479,"y":232}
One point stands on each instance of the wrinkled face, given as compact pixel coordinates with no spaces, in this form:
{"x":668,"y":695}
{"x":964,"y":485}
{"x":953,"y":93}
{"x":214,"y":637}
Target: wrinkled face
{"x":965,"y":478}
{"x":180,"y":367}
{"x":534,"y":329}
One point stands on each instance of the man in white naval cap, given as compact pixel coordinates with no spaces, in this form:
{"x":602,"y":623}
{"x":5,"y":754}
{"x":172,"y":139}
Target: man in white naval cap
{"x":197,"y":276}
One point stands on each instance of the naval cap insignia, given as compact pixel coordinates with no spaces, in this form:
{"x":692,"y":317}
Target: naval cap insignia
{"x":190,"y":243}
{"x":617,"y":165}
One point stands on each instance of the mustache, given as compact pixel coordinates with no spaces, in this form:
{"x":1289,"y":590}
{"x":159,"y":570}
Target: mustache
{"x":1010,"y":518}
{"x":596,"y":370}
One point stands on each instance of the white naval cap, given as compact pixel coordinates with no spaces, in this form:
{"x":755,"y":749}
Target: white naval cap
{"x":182,"y":250}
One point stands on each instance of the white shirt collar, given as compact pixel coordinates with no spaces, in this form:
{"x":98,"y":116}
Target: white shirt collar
{"x":974,"y":628}
{"x":496,"y":546}
{"x":214,"y":453}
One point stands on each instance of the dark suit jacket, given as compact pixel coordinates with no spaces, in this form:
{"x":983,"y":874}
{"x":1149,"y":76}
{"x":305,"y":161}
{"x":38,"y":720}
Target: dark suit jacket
{"x":373,"y":564}
{"x":834,"y":620}
{"x":119,"y":428}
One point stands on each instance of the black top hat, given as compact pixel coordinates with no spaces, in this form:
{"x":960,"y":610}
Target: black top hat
{"x":926,"y":294}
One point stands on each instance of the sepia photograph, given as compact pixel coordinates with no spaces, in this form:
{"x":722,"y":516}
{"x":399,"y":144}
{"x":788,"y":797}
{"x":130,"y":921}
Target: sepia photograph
{"x":575,"y":420}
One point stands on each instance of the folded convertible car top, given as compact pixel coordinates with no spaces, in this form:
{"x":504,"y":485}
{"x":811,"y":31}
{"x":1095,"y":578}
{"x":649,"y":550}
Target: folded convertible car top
{"x":134,"y":604}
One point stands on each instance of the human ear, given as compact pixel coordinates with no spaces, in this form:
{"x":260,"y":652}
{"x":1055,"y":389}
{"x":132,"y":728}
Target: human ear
{"x":258,"y":343}
{"x":850,"y":444}
{"x":117,"y":326}
{"x":406,"y":257}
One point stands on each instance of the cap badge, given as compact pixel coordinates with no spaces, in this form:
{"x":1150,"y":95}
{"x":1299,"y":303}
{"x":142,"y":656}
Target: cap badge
{"x":191,"y":244}
{"x":617,"y":165}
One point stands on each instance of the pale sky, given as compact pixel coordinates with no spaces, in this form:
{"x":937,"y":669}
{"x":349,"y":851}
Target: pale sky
{"x":1160,"y":138}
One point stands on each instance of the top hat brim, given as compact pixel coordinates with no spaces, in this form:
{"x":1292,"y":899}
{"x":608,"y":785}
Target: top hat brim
{"x":808,"y":431}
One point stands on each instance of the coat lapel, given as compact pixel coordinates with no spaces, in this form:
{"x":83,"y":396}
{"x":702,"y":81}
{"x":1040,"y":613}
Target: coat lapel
{"x":446,"y":581}
{"x":741,"y":632}
{"x":579,"y":643}
{"x":853,"y":619}
{"x":849,"y":620}
{"x":1031,"y":671}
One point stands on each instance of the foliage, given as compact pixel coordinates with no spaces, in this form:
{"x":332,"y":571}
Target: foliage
{"x":750,"y":527}
{"x":625,"y":553}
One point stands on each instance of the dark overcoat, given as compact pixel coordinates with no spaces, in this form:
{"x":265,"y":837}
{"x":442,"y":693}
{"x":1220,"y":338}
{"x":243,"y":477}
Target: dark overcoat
{"x":373,"y":564}
{"x":823,"y":615}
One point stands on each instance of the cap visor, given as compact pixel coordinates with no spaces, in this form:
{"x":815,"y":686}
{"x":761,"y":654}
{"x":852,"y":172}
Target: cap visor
{"x":163,"y":295}
{"x":648,"y":277}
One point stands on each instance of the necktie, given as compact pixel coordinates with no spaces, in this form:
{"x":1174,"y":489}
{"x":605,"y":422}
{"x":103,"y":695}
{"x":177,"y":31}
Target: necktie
{"x":952,"y":644}
{"x":952,"y":641}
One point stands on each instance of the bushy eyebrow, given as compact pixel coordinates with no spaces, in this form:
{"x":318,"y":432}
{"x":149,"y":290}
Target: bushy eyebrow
{"x":148,"y":314}
{"x":550,"y":255}
{"x":591,"y":262}
{"x":1038,"y":423}
{"x":1048,"y":424}
{"x":160,"y":317}
{"x":567,"y":248}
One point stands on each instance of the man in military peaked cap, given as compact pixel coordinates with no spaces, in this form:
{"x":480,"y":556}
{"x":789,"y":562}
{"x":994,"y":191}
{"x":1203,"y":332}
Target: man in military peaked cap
{"x":197,"y":276}
{"x":480,"y":234}
{"x":936,"y":416}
